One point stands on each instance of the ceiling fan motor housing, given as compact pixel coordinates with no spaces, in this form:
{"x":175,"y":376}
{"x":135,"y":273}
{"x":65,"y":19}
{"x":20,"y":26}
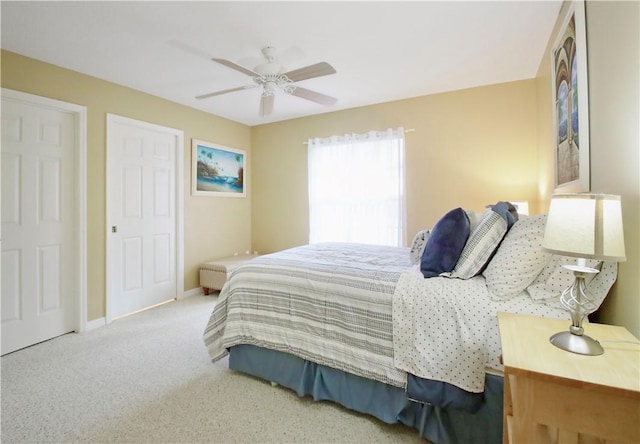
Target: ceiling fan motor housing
{"x":269,"y":68}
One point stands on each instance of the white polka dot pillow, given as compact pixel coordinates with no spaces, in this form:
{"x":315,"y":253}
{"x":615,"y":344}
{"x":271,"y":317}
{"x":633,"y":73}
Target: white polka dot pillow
{"x":554,"y":279}
{"x":481,"y":244}
{"x":519,"y":260}
{"x":417,"y":246}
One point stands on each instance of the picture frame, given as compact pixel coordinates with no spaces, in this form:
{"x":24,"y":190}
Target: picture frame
{"x":570,"y":100}
{"x":217,"y":170}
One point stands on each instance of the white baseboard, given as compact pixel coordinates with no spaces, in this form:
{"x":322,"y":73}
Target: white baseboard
{"x":101,"y":322}
{"x":96,"y":323}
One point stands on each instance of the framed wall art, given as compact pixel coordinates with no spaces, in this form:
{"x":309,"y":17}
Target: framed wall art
{"x":571,"y":101}
{"x":217,"y":170}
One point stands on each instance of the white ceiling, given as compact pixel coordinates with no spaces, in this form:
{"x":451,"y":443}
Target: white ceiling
{"x":382,"y":51}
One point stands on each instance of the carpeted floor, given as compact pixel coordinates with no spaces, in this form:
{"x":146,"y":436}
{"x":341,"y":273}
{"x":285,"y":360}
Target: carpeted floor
{"x":147,"y":378}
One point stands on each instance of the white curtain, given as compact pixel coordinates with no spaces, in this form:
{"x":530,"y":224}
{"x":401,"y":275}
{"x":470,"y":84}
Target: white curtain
{"x":357,"y":188}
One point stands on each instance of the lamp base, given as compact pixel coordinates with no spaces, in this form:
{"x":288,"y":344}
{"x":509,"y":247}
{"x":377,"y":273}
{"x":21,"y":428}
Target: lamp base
{"x":581,"y":344}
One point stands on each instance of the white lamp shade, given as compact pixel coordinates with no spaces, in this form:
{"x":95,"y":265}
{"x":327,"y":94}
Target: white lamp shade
{"x":585,"y":226}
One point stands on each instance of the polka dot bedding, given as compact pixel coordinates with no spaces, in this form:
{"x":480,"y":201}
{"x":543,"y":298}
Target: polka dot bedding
{"x":447,"y":329}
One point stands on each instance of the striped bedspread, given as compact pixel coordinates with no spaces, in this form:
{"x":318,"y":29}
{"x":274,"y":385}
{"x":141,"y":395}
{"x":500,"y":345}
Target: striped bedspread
{"x":327,"y":303}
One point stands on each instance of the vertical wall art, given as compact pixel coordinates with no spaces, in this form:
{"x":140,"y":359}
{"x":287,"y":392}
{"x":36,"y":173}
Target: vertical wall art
{"x":571,"y":101}
{"x":217,"y":170}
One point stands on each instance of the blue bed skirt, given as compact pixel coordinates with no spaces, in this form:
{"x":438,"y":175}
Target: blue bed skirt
{"x":387,"y":403}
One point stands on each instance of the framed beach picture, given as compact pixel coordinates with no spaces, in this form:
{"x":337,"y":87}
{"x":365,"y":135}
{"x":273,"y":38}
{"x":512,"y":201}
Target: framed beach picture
{"x":217,"y":170}
{"x":571,"y":101}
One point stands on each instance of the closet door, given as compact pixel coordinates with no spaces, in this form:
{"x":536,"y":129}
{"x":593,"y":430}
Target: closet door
{"x":39,"y":258}
{"x":141,"y":188}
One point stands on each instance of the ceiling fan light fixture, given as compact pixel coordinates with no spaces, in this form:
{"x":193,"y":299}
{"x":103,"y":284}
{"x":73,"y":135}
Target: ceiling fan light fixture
{"x":269,"y":88}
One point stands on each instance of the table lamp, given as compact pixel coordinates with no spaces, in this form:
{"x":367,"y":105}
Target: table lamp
{"x":584,"y":226}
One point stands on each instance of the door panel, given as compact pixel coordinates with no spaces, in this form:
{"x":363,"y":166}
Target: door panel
{"x":48,"y":278}
{"x":11,"y":282}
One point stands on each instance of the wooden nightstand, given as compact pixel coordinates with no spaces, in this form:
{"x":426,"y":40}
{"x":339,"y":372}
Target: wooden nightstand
{"x":554,"y":396}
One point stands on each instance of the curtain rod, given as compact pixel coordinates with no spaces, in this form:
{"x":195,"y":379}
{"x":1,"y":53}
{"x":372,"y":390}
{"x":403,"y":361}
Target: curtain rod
{"x":409,"y":130}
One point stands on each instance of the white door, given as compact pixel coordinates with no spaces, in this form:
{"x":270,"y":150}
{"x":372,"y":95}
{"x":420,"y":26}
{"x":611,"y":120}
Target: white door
{"x":39,"y":258}
{"x":141,"y":195}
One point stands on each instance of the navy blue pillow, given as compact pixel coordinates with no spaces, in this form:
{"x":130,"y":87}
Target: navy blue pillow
{"x":445,"y":243}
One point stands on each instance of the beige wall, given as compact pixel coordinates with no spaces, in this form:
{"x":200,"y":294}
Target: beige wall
{"x":613,"y":39}
{"x":469,"y":148}
{"x":213,"y":226}
{"x":480,"y":145}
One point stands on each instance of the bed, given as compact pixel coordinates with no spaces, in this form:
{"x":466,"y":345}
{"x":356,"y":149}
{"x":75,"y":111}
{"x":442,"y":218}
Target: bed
{"x":361,"y":326}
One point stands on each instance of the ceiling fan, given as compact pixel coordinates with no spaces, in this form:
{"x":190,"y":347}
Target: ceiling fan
{"x":271,"y":77}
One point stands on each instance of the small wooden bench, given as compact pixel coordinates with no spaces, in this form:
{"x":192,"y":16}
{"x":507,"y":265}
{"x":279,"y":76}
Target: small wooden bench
{"x":213,"y":274}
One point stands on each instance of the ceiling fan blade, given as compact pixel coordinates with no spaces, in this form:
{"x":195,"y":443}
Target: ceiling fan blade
{"x":224,"y":91}
{"x":232,"y":65}
{"x":311,"y":71}
{"x":266,"y":105}
{"x":314,"y":96}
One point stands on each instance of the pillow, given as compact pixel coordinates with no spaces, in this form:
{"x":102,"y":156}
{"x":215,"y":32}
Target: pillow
{"x":445,"y":243}
{"x":474,"y":219}
{"x":417,"y":246}
{"x":557,"y":278}
{"x":519,"y":260}
{"x":507,"y":211}
{"x":554,"y":279}
{"x":481,"y":244}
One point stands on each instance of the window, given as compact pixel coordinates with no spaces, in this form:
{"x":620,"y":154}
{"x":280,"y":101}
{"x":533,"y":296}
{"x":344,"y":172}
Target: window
{"x":356,"y":188}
